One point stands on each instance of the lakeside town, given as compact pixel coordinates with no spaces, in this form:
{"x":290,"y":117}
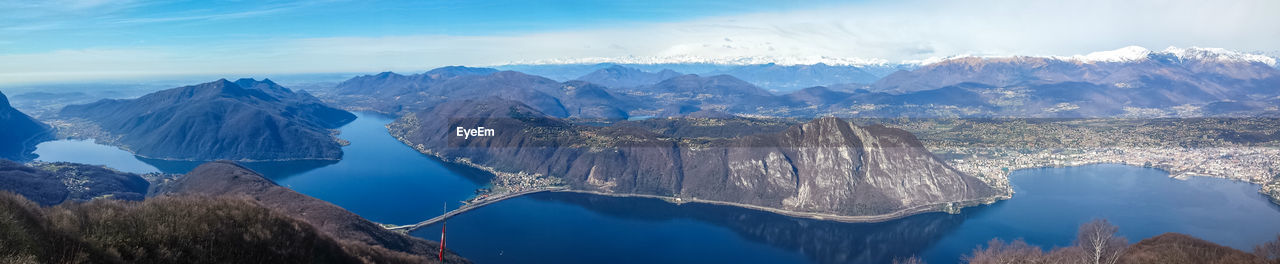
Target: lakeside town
{"x":1242,"y":149}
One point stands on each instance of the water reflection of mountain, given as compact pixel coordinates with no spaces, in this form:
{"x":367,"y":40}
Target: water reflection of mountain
{"x":473,"y":174}
{"x":821,"y":241}
{"x":275,"y":170}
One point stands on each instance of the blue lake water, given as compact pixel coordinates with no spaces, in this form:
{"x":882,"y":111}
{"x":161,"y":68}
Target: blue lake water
{"x":379,"y":178}
{"x":87,"y":152}
{"x":1050,"y":203}
{"x":386,"y":181}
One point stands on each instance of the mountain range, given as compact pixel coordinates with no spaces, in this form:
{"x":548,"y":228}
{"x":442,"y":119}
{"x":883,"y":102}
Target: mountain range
{"x":394,"y":93}
{"x":242,"y":120}
{"x":21,"y":133}
{"x":622,"y":77}
{"x":780,"y":78}
{"x":788,"y":78}
{"x":1215,"y":73}
{"x":826,"y":166}
{"x":1213,"y":82}
{"x":689,"y":93}
{"x":763,"y":136}
{"x":1129,"y":82}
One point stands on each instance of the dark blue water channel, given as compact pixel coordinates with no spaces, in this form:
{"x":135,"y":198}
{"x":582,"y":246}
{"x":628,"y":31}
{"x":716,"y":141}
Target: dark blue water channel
{"x":386,"y":181}
{"x":379,"y":178}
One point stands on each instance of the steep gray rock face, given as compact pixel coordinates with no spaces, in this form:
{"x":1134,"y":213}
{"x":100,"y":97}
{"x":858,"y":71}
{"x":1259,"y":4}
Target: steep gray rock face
{"x":241,"y":120}
{"x":831,"y":166}
{"x":826,"y":166}
{"x":19,"y":133}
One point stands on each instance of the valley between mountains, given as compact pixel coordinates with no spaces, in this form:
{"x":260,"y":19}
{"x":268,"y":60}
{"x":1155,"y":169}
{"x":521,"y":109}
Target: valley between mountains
{"x":928,"y":138}
{"x":900,"y":141}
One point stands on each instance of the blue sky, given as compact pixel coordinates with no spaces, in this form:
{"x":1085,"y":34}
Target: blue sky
{"x":37,"y":26}
{"x":60,"y":40}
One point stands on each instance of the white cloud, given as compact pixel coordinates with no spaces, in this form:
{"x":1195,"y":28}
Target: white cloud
{"x":205,"y":16}
{"x":894,"y":31}
{"x":26,"y":16}
{"x":220,"y":16}
{"x":62,"y":8}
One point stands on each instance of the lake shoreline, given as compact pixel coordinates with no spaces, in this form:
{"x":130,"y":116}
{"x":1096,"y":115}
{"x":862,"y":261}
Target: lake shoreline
{"x":939,"y":238}
{"x":1262,"y":190}
{"x":952,"y":208}
{"x":949,"y":207}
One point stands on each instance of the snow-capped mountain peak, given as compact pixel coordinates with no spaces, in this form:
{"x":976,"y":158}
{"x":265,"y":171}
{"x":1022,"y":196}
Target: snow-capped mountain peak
{"x":1121,"y":55}
{"x":1137,"y":53}
{"x":692,"y":59}
{"x":1125,"y":54}
{"x":932,"y":60}
{"x":1217,"y":54}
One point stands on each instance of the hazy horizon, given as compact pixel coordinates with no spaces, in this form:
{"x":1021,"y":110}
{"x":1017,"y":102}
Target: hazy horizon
{"x":76,"y":41}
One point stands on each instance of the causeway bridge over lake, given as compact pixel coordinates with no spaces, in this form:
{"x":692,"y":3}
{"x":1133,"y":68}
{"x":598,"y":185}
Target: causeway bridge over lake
{"x":468,"y":207}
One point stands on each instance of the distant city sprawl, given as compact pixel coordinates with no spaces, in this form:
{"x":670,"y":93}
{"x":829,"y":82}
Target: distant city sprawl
{"x":1245,"y":149}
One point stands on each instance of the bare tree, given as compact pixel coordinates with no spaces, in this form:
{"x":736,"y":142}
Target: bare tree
{"x":1269,"y":251}
{"x":998,"y":252}
{"x":1099,"y":243}
{"x":910,"y":260}
{"x":1064,"y":255}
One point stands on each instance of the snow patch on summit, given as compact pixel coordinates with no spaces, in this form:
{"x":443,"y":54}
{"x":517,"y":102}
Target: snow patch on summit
{"x":1125,"y":54}
{"x":1136,"y":53}
{"x":693,"y":59}
{"x":1121,"y":55}
{"x":1218,"y":54}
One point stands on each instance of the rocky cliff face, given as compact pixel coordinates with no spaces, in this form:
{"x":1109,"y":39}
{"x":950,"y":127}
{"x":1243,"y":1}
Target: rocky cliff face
{"x":20,"y":133}
{"x":826,"y":166}
{"x":241,"y":120}
{"x":830,"y":165}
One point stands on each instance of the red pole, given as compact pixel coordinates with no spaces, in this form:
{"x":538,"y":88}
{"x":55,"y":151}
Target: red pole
{"x":443,"y":225}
